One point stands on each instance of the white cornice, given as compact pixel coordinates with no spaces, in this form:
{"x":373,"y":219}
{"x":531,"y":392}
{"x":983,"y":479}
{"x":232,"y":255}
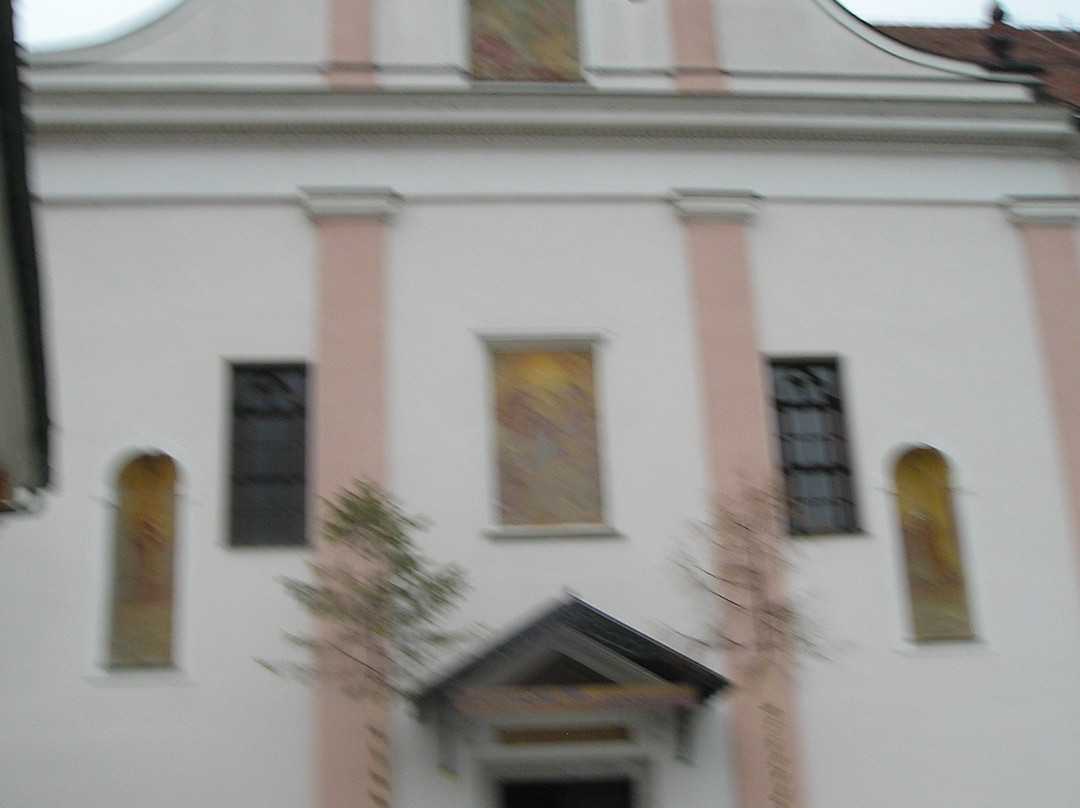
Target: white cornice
{"x":731,"y":206}
{"x":339,"y":203}
{"x":248,"y":113}
{"x":1043,"y":210}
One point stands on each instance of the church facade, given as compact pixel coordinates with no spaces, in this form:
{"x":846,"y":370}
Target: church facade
{"x":588,"y":287}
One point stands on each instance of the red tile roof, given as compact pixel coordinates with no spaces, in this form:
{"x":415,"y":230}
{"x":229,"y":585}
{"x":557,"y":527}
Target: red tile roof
{"x":1056,"y":51}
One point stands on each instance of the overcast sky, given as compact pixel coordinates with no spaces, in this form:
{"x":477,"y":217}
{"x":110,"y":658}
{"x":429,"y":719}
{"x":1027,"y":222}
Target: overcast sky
{"x":49,"y":24}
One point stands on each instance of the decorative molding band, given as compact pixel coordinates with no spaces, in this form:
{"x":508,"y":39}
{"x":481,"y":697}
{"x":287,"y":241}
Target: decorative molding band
{"x":732,"y":206}
{"x":246,"y":114}
{"x":341,"y":203}
{"x":1052,"y":210}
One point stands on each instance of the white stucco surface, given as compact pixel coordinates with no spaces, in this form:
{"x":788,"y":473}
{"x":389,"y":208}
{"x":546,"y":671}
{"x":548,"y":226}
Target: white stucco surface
{"x":928,"y":310}
{"x":466,"y":272}
{"x":465,"y":168}
{"x":621,"y":45}
{"x":147,"y":305}
{"x":421,"y":32}
{"x":923,"y":298}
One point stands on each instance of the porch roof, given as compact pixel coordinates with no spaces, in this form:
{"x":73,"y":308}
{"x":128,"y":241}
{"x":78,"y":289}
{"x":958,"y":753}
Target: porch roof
{"x":577,"y":615}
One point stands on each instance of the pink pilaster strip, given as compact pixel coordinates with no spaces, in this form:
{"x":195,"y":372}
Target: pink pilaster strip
{"x":1048,"y":232}
{"x":697,"y":64}
{"x":349,"y":396}
{"x":352,"y":52}
{"x":740,"y":464}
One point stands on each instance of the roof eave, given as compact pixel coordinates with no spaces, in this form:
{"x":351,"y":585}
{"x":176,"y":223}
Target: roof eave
{"x":570,"y":612}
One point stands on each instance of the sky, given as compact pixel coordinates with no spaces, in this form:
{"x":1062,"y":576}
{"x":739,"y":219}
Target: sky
{"x":52,"y":24}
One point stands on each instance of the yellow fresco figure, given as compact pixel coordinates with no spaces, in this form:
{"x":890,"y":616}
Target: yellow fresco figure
{"x":142,"y":598}
{"x":935,"y":573}
{"x":547,"y":439}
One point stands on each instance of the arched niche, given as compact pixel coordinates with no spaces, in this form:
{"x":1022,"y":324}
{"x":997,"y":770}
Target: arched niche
{"x":932,"y":557}
{"x":141,"y":625}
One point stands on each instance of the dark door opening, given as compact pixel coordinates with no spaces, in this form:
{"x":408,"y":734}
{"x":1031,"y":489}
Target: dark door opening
{"x":567,"y":794}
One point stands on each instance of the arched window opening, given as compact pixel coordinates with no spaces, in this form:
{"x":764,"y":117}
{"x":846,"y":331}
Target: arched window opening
{"x":935,"y":570}
{"x":142,"y":581}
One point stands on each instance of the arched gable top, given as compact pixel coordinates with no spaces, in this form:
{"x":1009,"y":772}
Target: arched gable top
{"x":149,"y":470}
{"x":823,"y":38}
{"x":766,"y":39}
{"x":269,"y":32}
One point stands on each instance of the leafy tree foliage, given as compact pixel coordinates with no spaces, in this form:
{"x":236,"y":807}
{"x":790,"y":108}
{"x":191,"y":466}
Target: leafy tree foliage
{"x":380,"y":604}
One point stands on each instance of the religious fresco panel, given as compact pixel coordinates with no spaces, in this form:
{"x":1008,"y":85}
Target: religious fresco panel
{"x":548,"y":463}
{"x":142,"y":599}
{"x":524,"y":40}
{"x":935,"y":572}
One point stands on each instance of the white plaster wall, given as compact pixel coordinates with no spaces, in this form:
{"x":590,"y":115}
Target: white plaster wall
{"x":928,"y":309}
{"x":417,"y":42}
{"x":146,"y":305}
{"x":927,"y":305}
{"x":421,"y":32}
{"x":1071,"y":171}
{"x":465,"y":271}
{"x":645,"y":170}
{"x":901,"y":264}
{"x":619,"y":35}
{"x":614,"y":35}
{"x":623,"y":45}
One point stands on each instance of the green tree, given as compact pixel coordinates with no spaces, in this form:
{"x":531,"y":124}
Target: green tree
{"x":380,"y":604}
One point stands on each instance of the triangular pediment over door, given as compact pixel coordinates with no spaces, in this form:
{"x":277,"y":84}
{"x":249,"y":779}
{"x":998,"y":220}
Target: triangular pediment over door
{"x":573,"y":674}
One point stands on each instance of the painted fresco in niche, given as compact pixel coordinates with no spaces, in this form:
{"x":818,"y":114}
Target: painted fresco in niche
{"x":524,"y":40}
{"x":142,"y":602}
{"x":935,"y":573}
{"x":548,"y":463}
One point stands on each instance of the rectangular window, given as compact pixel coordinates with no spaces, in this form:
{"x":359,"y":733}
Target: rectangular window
{"x":545,"y":416}
{"x":813,"y":446}
{"x":524,"y":40}
{"x":268,"y":455}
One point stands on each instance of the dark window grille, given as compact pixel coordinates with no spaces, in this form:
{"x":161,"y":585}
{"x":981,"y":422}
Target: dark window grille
{"x":268,"y":455}
{"x":813,"y":447}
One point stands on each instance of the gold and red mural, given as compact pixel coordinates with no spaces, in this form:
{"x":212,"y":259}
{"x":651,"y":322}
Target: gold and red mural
{"x":935,"y":572}
{"x":548,"y":461}
{"x":524,"y":40}
{"x":142,"y":599}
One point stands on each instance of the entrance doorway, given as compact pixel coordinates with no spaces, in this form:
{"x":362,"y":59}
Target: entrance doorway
{"x":567,"y":794}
